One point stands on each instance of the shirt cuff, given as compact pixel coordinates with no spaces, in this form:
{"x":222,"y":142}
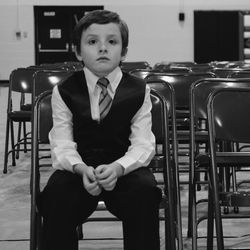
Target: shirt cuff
{"x":128,"y":164}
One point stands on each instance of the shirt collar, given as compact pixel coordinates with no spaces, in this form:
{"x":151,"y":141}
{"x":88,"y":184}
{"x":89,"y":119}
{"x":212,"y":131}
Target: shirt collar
{"x":114,"y":78}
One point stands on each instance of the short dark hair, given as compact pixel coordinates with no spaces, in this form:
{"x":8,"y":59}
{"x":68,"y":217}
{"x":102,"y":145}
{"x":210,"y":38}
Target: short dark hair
{"x":100,"y":17}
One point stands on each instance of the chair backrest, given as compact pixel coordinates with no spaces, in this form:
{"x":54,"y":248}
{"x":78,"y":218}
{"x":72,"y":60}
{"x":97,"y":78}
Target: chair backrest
{"x":181,"y":84}
{"x":159,"y":118}
{"x":181,"y":66}
{"x":21,"y":80}
{"x":43,"y":117}
{"x":167,"y":91}
{"x":47,"y":79}
{"x":141,"y":73}
{"x":202,"y":89}
{"x":229,"y":114}
{"x":201,"y":67}
{"x":240,"y":74}
{"x":224,"y":72}
{"x":128,"y":66}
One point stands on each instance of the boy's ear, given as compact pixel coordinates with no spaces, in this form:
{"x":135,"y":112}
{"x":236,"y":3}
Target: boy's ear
{"x":124,"y":54}
{"x":77,"y":55}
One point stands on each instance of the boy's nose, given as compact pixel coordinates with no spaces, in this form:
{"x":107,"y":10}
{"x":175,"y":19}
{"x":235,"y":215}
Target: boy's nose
{"x":103,"y":48}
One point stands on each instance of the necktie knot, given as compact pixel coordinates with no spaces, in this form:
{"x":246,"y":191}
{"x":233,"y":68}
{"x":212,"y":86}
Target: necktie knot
{"x":103,"y":82}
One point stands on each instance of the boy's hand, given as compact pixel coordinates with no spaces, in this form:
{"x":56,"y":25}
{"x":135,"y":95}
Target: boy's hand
{"x":107,"y":175}
{"x":89,"y":179}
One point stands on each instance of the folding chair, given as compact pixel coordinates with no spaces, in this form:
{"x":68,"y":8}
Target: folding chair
{"x":162,"y":164}
{"x":199,"y":161}
{"x":20,"y":88}
{"x":167,"y":91}
{"x":228,"y":120}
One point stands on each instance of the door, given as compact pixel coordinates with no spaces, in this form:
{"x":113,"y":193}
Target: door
{"x":53,"y":32}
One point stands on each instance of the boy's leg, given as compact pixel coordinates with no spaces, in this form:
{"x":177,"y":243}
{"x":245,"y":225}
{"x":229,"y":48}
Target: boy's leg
{"x":64,"y":203}
{"x":135,"y":200}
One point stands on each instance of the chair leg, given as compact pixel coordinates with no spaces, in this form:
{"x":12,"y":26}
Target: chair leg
{"x":6,"y":147}
{"x":210,"y":221}
{"x":193,"y":220}
{"x":12,"y":143}
{"x":25,"y":137}
{"x":216,"y":207}
{"x":18,"y":139}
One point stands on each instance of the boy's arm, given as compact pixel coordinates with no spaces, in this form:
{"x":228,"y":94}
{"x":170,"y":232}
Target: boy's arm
{"x":142,"y":148}
{"x":63,"y":147}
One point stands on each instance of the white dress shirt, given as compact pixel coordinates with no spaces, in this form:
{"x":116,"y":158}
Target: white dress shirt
{"x":64,"y":149}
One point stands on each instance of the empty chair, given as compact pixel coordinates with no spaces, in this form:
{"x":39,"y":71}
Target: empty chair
{"x":20,"y":90}
{"x":228,"y":120}
{"x":199,"y":161}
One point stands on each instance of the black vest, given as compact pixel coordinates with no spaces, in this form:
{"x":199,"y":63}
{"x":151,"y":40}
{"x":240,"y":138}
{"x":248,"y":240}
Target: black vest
{"x":104,"y":142}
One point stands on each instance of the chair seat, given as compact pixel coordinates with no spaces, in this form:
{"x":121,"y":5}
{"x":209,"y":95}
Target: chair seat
{"x":20,"y":116}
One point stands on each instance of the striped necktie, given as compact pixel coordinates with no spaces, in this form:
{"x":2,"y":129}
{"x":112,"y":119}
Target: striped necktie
{"x":105,"y":99}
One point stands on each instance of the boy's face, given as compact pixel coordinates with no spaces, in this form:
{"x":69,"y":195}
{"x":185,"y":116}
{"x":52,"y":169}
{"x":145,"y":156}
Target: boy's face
{"x":101,"y":47}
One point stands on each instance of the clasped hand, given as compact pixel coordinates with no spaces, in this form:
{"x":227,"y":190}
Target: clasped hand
{"x":103,"y":177}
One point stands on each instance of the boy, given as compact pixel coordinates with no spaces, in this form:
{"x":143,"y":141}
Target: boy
{"x":101,"y":143}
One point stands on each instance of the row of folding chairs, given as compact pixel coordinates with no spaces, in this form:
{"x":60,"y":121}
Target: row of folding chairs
{"x":193,"y":94}
{"x":165,"y":92}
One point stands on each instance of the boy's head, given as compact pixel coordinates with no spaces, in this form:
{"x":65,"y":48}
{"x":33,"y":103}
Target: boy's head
{"x":100,"y":17}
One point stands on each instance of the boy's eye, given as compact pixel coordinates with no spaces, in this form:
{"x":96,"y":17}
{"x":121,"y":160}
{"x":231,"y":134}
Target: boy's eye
{"x":112,"y":41}
{"x":92,"y":41}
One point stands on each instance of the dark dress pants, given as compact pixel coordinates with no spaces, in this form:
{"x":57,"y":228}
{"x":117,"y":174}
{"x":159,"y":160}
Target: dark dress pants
{"x":64,"y":204}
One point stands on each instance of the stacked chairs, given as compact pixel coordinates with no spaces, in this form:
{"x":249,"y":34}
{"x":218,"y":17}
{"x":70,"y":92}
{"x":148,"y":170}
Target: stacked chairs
{"x":181,"y":84}
{"x":163,"y":164}
{"x":199,"y":161}
{"x":223,"y":105}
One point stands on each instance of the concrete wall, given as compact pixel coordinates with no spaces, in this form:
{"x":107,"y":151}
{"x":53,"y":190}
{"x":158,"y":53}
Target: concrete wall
{"x":156,"y":34}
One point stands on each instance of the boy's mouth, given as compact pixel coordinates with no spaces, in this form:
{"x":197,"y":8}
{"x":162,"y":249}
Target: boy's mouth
{"x":103,"y":58}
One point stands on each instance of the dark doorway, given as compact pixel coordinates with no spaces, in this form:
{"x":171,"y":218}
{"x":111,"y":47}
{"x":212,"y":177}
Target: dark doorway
{"x":53,"y":32}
